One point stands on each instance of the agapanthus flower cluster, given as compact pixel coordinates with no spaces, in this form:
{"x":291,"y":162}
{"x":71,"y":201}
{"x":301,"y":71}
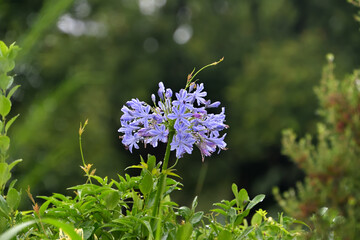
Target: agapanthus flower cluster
{"x":186,"y":115}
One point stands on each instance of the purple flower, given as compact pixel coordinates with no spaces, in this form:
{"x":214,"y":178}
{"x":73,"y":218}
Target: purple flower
{"x":193,"y":125}
{"x":128,"y":128}
{"x":182,"y":143}
{"x":206,"y":148}
{"x":130,"y":141}
{"x":179,"y":113}
{"x":198,"y":95}
{"x":161,"y":90}
{"x":191,"y":87}
{"x":208,"y":104}
{"x":182,"y":99}
{"x":128,"y":114}
{"x":168,"y":93}
{"x":135,"y":104}
{"x":160,"y":133}
{"x":180,"y":127}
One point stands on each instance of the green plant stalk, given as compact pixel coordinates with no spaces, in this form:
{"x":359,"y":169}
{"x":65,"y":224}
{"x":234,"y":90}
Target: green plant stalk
{"x":201,"y":179}
{"x":81,"y":151}
{"x":3,"y":133}
{"x":81,"y":130}
{"x":167,"y":152}
{"x":191,"y":76}
{"x":162,"y":182}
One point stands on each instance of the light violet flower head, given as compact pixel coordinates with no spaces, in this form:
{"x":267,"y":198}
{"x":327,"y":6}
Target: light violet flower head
{"x":186,"y":116}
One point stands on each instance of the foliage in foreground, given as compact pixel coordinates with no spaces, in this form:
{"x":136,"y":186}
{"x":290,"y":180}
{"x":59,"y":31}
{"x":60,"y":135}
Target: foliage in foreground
{"x":134,"y":207}
{"x":122,"y":209}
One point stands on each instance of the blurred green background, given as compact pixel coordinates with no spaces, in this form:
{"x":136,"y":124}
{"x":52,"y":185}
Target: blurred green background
{"x":85,"y":58}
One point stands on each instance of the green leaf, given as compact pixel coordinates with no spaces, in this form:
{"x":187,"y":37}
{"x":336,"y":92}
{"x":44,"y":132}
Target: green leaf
{"x":3,"y":224}
{"x":112,"y":199}
{"x":99,"y":179}
{"x":170,"y":204}
{"x":12,"y":91}
{"x":184,"y":232}
{"x":10,"y":122}
{"x":196,"y":217}
{"x":88,"y":231}
{"x":146,"y":184}
{"x":4,"y":174}
{"x":220,"y":211}
{"x":222,"y":205}
{"x":194,"y":203}
{"x":233,"y":215}
{"x":14,"y":163}
{"x":11,"y":65}
{"x":246,"y":232}
{"x":13,"y":198}
{"x":170,"y":172}
{"x":4,"y":208}
{"x":4,"y":143}
{"x":202,"y":237}
{"x":239,"y":219}
{"x":68,"y":229}
{"x":135,"y":166}
{"x":258,"y":234}
{"x":11,"y":185}
{"x":239,"y":202}
{"x":3,"y":49}
{"x":301,"y":222}
{"x":151,"y":162}
{"x":61,"y":197}
{"x":243,"y":197}
{"x":5,"y":81}
{"x":256,"y":220}
{"x":126,"y":221}
{"x":323,"y":211}
{"x":185,"y":212}
{"x":6,"y":65}
{"x":13,"y":51}
{"x":12,"y":232}
{"x":225,"y":235}
{"x":44,"y":206}
{"x":138,"y":203}
{"x":235,"y":191}
{"x":259,"y":198}
{"x":5,"y":106}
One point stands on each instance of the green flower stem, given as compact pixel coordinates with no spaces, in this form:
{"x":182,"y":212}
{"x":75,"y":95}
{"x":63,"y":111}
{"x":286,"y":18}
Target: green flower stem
{"x":81,"y":151}
{"x":201,"y":179}
{"x":85,"y":167}
{"x":167,"y":152}
{"x":192,"y":76}
{"x":162,"y":183}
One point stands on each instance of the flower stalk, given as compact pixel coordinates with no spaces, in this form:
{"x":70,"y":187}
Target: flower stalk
{"x":162,"y":185}
{"x":86,"y":167}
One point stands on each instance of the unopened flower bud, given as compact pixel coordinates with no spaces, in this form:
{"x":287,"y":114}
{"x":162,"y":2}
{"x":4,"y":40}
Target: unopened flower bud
{"x":168,"y":93}
{"x":161,"y":90}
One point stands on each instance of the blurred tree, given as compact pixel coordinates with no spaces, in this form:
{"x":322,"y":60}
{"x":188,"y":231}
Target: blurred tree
{"x":331,"y":166}
{"x":328,"y":197}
